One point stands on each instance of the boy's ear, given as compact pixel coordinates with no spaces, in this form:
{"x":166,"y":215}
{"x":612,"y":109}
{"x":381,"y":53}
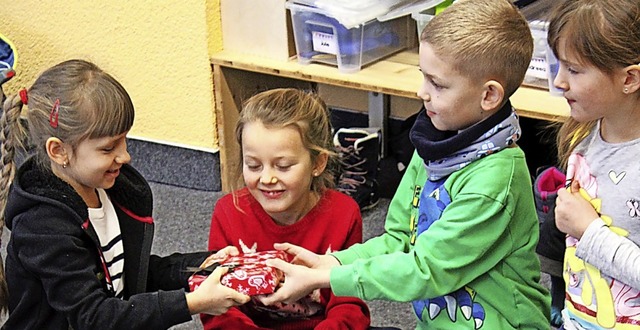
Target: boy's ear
{"x":492,"y":95}
{"x":56,"y":151}
{"x":632,"y":78}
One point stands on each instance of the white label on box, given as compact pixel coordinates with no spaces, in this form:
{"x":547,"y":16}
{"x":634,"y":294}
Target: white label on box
{"x":325,"y":43}
{"x":538,"y":68}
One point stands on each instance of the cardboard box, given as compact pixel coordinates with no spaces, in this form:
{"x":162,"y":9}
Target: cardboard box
{"x":403,"y":108}
{"x":350,"y":99}
{"x":257,"y":27}
{"x":344,"y":98}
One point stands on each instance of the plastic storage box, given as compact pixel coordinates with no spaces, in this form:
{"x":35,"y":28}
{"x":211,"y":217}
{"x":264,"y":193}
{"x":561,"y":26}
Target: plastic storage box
{"x":321,"y":38}
{"x":544,"y":66}
{"x":422,"y":18}
{"x":423,"y":11}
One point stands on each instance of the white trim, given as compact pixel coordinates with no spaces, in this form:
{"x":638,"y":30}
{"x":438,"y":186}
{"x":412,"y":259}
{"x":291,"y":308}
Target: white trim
{"x":173,"y":144}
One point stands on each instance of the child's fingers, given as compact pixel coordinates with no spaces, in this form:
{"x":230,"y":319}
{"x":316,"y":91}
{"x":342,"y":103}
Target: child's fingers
{"x":236,"y":297}
{"x":305,"y":258}
{"x":562,"y":194}
{"x":273,"y":298}
{"x":239,"y":298}
{"x":301,"y":256}
{"x":263,"y":298}
{"x":209,"y":261}
{"x":282,"y":295}
{"x":231,"y":251}
{"x":287,"y":247}
{"x":575,"y":186}
{"x":290,"y":248}
{"x":227,"y":251}
{"x":217,"y":273}
{"x":279,"y":264}
{"x":220,"y":256}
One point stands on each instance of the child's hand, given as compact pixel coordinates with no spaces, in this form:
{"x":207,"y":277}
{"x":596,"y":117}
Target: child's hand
{"x":573,"y":212}
{"x":299,"y":281}
{"x":220,"y":256}
{"x":307,"y":258}
{"x":211,"y":297}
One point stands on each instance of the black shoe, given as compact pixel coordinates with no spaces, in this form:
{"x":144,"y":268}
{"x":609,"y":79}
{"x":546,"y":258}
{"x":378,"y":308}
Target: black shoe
{"x":359,"y":153}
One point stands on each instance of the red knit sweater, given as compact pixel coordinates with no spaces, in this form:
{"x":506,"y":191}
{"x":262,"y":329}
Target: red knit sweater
{"x":333,"y":224}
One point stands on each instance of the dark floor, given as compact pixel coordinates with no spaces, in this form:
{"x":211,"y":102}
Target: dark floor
{"x":182,"y":215}
{"x":182,"y":218}
{"x":182,"y":224}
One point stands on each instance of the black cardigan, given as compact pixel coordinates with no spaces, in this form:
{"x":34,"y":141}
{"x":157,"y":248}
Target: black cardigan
{"x":53,"y":266}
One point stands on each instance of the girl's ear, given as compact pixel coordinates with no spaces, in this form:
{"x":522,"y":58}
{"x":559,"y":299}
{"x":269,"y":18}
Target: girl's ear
{"x":321,"y":163}
{"x":632,"y":79}
{"x":56,"y":151}
{"x":492,"y":95}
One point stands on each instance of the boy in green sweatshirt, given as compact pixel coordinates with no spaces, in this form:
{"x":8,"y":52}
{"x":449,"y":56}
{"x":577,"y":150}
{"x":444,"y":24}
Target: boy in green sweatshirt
{"x":461,"y":230}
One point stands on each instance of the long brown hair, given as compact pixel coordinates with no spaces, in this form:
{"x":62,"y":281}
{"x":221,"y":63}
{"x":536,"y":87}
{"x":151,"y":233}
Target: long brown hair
{"x":601,"y":33}
{"x":91,"y":104}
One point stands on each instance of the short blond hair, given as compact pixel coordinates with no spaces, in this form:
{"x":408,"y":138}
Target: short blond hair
{"x":484,"y":39}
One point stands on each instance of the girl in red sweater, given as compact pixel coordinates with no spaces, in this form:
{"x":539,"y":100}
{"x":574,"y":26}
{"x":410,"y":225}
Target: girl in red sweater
{"x":286,"y":142}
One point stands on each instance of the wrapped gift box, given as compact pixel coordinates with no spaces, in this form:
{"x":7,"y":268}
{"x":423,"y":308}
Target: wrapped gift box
{"x":248,"y":273}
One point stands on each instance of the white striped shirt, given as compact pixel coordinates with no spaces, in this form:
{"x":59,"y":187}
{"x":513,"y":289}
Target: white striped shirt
{"x":105,"y":222}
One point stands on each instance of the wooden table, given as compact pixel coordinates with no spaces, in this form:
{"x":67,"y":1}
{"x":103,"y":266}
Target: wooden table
{"x":239,"y":76}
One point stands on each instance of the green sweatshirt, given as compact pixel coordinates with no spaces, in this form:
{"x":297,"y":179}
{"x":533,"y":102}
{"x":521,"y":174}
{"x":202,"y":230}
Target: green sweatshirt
{"x":473,"y":267}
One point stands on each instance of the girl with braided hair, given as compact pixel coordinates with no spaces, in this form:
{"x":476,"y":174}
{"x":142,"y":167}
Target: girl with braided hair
{"x":81,"y":217}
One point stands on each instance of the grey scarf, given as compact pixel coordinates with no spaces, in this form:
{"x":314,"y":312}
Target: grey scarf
{"x":456,"y":150}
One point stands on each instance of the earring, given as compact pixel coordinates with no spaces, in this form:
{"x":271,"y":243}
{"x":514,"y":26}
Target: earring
{"x":626,"y":90}
{"x":315,"y":173}
{"x":65,"y":164}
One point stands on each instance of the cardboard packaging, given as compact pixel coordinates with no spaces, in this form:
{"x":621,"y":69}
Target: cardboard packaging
{"x":261,"y":28}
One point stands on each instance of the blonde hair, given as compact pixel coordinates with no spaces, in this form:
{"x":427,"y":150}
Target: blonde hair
{"x":484,"y":39}
{"x":92,"y":104}
{"x":601,"y":33}
{"x":303,"y":110}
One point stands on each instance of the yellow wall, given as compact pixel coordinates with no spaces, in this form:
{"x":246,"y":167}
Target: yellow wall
{"x":158,"y":49}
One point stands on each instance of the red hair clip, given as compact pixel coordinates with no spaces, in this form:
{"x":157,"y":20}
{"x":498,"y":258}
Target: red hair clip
{"x":23,"y":96}
{"x":53,"y":116}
